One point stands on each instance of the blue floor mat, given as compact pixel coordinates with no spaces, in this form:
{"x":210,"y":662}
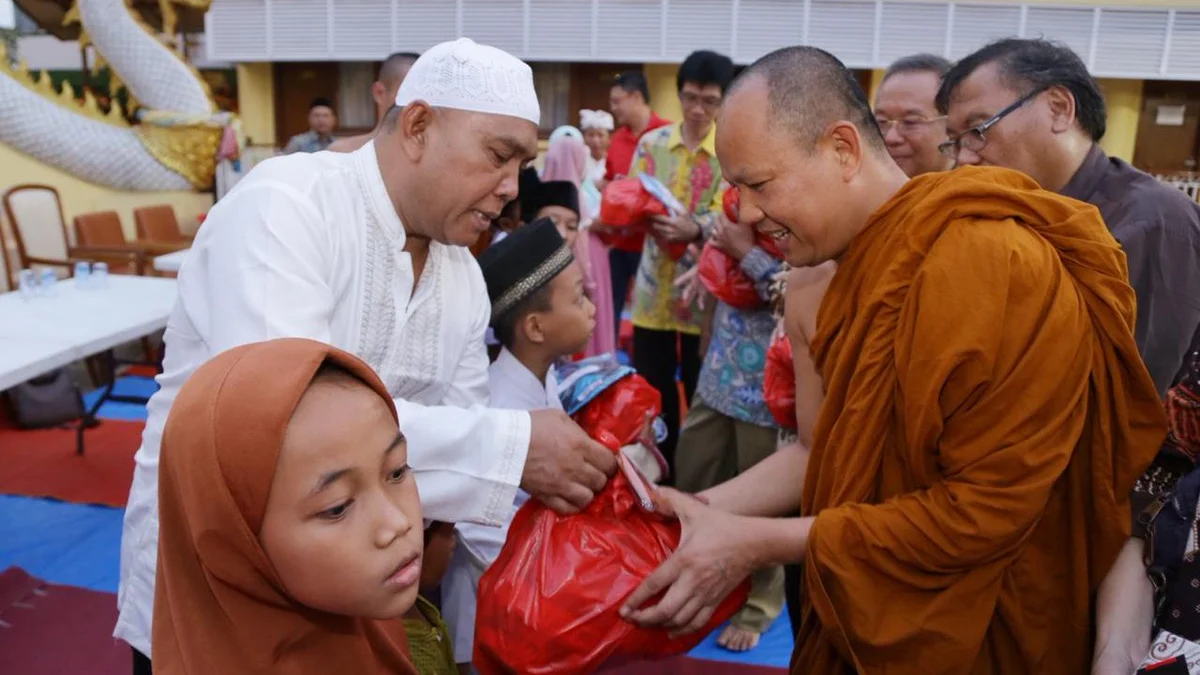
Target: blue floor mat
{"x":141,"y":387}
{"x":71,"y":544}
{"x":774,"y":648}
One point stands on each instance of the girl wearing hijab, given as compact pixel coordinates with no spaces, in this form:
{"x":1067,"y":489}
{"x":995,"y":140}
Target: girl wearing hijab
{"x":566,"y":160}
{"x":291,"y":534}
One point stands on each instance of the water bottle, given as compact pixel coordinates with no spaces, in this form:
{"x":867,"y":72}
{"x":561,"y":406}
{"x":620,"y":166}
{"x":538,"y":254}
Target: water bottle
{"x":100,"y":275}
{"x":29,"y":283}
{"x":48,"y":283}
{"x":83,"y":271}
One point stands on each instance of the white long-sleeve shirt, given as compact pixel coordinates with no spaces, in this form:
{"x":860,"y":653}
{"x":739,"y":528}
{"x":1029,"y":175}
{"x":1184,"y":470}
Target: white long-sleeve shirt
{"x":309,"y":245}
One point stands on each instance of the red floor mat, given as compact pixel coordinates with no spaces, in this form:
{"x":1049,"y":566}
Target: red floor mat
{"x":46,"y":629}
{"x":43,"y":463}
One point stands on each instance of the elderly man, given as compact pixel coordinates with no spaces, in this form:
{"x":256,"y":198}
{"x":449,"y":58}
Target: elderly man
{"x":392,"y":72}
{"x":366,"y":251}
{"x":985,"y":410}
{"x":1032,"y":105}
{"x":907,"y":114}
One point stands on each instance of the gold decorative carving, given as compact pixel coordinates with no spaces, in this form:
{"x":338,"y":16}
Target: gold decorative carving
{"x":188,"y":150}
{"x":67,"y":98}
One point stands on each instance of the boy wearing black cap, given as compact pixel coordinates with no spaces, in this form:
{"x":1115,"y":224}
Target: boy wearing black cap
{"x":558,"y":200}
{"x":540,"y":315}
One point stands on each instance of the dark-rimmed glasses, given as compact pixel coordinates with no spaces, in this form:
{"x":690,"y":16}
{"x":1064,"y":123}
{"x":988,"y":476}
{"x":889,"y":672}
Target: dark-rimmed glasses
{"x":973,"y":139}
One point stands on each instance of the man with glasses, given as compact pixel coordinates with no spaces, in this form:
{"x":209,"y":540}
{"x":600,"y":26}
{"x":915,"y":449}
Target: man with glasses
{"x":907,"y":115}
{"x":683,"y":156}
{"x":1031,"y":105}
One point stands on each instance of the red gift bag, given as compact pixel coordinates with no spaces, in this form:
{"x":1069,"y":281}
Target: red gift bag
{"x":725,"y":280}
{"x":779,"y":382}
{"x":549,"y":603}
{"x":731,"y":203}
{"x":626,"y":206}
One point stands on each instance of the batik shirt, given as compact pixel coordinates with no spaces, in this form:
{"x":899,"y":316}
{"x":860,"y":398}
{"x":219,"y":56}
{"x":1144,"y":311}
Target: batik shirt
{"x":309,"y":141}
{"x":694,"y":177}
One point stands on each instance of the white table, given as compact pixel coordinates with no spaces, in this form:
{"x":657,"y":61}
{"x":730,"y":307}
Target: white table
{"x":40,"y":334}
{"x":170,"y":262}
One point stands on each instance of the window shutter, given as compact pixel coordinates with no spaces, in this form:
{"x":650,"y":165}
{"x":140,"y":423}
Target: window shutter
{"x":299,"y":29}
{"x":362,"y":29}
{"x":236,"y":30}
{"x":844,"y":28}
{"x":907,"y":29}
{"x":1071,"y":26}
{"x":1130,"y":42}
{"x":421,"y":24}
{"x":698,"y":24}
{"x":766,"y":25}
{"x":1183,"y":59}
{"x":560,"y":30}
{"x":976,"y":25}
{"x":629,"y":30}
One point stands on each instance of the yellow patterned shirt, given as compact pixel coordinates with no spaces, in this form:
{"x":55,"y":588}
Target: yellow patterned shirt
{"x":695,"y":179}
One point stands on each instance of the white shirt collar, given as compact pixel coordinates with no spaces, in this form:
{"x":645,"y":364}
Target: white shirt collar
{"x":515,"y":387}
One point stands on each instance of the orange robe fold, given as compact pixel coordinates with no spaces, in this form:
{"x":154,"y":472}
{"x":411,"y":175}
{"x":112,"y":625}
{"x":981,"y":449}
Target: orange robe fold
{"x":986,"y":415}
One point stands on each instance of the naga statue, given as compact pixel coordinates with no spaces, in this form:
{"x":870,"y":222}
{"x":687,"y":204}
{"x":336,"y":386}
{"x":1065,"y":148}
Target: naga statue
{"x":178,"y":133}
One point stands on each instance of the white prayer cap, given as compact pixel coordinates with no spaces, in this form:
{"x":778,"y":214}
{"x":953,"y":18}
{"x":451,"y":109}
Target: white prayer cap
{"x":595,"y":119}
{"x":467,"y":76}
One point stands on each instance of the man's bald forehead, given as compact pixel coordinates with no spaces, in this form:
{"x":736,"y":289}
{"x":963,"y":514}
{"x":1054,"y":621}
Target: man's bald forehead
{"x":807,"y":90}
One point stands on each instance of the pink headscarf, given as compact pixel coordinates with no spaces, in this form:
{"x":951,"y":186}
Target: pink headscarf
{"x":566,"y":159}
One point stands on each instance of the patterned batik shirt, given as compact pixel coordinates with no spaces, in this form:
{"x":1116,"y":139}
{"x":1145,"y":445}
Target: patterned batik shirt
{"x":694,"y":177}
{"x":308,"y":141}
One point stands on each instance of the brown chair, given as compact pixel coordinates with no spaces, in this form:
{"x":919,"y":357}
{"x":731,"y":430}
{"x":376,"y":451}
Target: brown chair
{"x":40,"y":230}
{"x":8,"y":280}
{"x":158,"y":224}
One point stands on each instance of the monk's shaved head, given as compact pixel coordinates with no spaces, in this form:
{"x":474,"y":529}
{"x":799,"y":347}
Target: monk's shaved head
{"x":395,"y":68}
{"x":809,"y":89}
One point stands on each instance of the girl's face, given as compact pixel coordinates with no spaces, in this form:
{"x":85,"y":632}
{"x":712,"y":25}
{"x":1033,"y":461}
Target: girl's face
{"x":342,"y":525}
{"x":597,"y":142}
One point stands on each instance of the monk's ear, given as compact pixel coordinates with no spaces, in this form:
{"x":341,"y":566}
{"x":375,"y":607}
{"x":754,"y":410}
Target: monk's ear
{"x":846,"y":144}
{"x":416,"y":120}
{"x":1061,"y":104}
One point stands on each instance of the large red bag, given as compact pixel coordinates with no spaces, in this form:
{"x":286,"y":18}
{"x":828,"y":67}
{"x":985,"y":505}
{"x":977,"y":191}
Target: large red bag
{"x":725,"y":280}
{"x":779,"y":382}
{"x":628,"y":210}
{"x":549,"y":603}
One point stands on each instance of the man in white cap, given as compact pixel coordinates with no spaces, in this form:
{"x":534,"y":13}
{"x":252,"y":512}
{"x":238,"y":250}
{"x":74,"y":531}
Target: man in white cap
{"x":367,"y":251}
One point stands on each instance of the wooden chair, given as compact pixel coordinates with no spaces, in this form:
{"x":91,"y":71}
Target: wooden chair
{"x":158,"y":224}
{"x":103,"y":229}
{"x":40,"y":230}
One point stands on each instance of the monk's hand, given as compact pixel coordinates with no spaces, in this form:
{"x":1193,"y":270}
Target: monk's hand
{"x":714,"y":556}
{"x":565,"y":468}
{"x":677,"y":228}
{"x":734,"y":239}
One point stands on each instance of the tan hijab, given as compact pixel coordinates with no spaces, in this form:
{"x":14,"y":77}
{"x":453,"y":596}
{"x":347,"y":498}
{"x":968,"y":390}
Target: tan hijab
{"x":219,"y":606}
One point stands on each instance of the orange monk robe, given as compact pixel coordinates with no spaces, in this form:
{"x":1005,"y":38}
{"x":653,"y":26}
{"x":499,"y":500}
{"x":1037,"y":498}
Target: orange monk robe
{"x":986,"y":415}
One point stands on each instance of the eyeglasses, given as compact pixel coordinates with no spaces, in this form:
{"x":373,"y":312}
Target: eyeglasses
{"x":973,"y":139}
{"x":907,"y":126}
{"x":689,"y":99}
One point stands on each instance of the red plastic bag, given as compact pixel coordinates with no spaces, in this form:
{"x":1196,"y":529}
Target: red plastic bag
{"x":549,"y":603}
{"x":779,"y":382}
{"x":722,"y":277}
{"x":627,"y":208}
{"x":731,"y":203}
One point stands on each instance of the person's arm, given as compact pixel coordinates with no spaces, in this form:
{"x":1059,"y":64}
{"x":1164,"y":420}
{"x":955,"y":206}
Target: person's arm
{"x":1164,"y":270}
{"x":1124,"y":614}
{"x":260,"y":269}
{"x":761,"y":268}
{"x":769,"y":488}
{"x":467,"y":459}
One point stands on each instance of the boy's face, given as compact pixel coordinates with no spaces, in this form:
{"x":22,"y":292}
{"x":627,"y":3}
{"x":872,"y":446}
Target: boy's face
{"x":342,"y":525}
{"x":568,"y":326}
{"x":566,"y":220}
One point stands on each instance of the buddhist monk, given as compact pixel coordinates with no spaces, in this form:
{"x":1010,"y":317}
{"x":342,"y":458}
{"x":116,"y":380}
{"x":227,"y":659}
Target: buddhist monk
{"x":985,"y":409}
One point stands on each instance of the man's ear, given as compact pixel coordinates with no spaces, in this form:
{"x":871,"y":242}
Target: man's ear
{"x":1061,"y":103}
{"x":416,"y":120}
{"x":847,"y":145}
{"x":380,"y":94}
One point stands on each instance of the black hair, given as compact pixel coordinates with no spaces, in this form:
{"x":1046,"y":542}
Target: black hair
{"x":1029,"y":65}
{"x":807,"y":89}
{"x":319,"y":102}
{"x":634,"y":82}
{"x":505,"y":325}
{"x":704,"y":68}
{"x":919,"y":63}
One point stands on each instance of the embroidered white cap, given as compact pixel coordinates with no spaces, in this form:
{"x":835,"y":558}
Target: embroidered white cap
{"x":467,"y":76}
{"x":595,"y":119}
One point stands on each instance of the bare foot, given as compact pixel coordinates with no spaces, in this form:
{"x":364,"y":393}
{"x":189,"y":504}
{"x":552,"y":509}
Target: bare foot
{"x":738,"y":639}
